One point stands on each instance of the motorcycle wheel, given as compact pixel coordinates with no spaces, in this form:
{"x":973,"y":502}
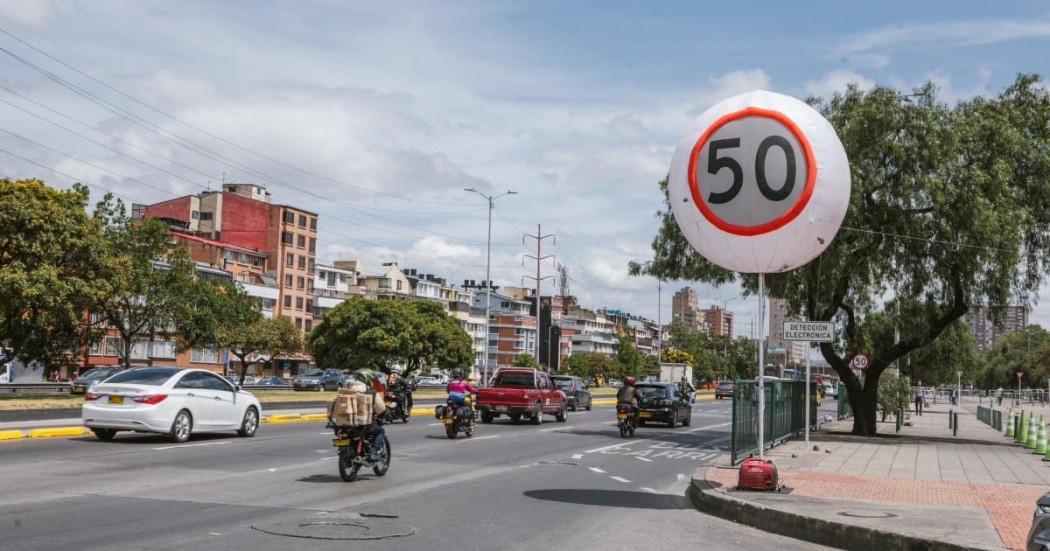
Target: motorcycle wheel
{"x":623,"y":430}
{"x":630,"y":430}
{"x":381,"y":467}
{"x":451,"y":430}
{"x":470,"y":432}
{"x":406,"y":415}
{"x":347,"y":468}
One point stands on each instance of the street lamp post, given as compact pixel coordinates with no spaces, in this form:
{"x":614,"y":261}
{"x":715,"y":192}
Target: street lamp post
{"x":725,"y":343}
{"x":488,"y":276}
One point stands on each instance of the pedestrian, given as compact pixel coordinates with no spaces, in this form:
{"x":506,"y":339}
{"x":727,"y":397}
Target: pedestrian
{"x":920,"y":396}
{"x":999,"y":396}
{"x":955,"y":396}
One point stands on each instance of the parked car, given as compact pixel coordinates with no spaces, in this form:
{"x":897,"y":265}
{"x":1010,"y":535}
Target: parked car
{"x":724,"y":390}
{"x":831,"y":390}
{"x":271,"y":381}
{"x":1039,"y":534}
{"x":320,"y":379}
{"x":169,"y":400}
{"x":663,"y":403}
{"x":92,"y":377}
{"x":576,"y":391}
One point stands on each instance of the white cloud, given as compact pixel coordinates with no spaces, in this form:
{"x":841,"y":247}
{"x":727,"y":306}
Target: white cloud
{"x":965,"y":33}
{"x":31,"y":13}
{"x":837,"y":81}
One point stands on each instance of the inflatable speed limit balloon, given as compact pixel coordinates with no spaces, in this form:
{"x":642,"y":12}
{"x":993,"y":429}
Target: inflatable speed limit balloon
{"x":760,"y":183}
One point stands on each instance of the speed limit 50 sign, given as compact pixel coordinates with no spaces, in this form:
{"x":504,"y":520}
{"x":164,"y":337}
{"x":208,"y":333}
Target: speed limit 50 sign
{"x":760,"y":183}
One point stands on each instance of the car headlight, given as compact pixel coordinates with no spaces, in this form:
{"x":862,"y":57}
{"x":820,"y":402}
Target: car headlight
{"x":1042,"y":510}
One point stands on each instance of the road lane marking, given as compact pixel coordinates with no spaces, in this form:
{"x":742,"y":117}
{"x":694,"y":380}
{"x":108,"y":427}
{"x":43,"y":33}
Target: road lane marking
{"x":577,"y":456}
{"x":595,"y":450}
{"x":644,"y":459}
{"x":478,"y":438}
{"x":620,"y":479}
{"x":191,"y":445}
{"x":650,"y":490}
{"x":597,"y":470}
{"x":710,"y":427}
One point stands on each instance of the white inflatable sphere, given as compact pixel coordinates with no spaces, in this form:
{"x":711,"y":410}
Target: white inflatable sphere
{"x":760,"y":183}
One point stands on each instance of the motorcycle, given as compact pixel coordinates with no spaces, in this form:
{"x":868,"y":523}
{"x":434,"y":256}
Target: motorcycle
{"x":457,"y":418}
{"x":354,"y":445}
{"x":627,"y":419}
{"x":398,"y":406}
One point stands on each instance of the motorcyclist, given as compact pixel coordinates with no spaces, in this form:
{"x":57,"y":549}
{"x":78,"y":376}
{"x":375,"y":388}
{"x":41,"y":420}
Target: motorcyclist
{"x":363,"y":383}
{"x":400,"y":386}
{"x":627,"y":394}
{"x":457,"y":388}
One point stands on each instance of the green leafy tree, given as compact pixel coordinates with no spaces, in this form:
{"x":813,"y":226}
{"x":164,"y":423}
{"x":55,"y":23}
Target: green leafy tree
{"x":52,"y":260}
{"x":592,"y":365}
{"x":627,"y":355}
{"x":577,"y":365}
{"x":1026,"y":352}
{"x":260,"y":340}
{"x":674,"y":356}
{"x":947,"y":212}
{"x":953,"y":351}
{"x":894,"y":393}
{"x":437,"y":340}
{"x":525,"y":360}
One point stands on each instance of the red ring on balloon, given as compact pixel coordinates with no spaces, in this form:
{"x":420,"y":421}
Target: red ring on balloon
{"x":783,"y":219}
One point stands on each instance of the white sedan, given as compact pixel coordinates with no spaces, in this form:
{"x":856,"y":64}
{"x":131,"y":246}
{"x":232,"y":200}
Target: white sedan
{"x":171,"y":401}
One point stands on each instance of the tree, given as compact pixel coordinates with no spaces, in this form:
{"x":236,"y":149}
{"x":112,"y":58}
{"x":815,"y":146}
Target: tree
{"x":525,"y":360}
{"x":1026,"y":352}
{"x":52,"y":259}
{"x":152,"y":290}
{"x":577,"y":365}
{"x":953,"y":351}
{"x":672,"y":356}
{"x":592,"y":365}
{"x":438,"y":339}
{"x":260,"y":340}
{"x":628,"y":356}
{"x":894,"y":393}
{"x":947,"y":211}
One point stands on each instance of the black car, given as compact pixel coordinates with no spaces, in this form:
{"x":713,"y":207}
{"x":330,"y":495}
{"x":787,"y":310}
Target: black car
{"x":92,"y":376}
{"x":663,"y":403}
{"x":1039,"y":535}
{"x":576,"y":394}
{"x":724,"y":390}
{"x":320,"y":379}
{"x":271,"y":381}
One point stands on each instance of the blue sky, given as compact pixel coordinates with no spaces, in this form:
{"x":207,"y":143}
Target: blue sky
{"x":380,"y":113}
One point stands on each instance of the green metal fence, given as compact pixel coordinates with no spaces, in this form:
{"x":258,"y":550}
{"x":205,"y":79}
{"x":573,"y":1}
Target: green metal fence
{"x":991,"y":417}
{"x":845,"y":409}
{"x":785,"y":415}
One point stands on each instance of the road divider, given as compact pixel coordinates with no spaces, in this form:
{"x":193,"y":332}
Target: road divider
{"x":285,"y":418}
{"x":57,"y":432}
{"x":11,"y":434}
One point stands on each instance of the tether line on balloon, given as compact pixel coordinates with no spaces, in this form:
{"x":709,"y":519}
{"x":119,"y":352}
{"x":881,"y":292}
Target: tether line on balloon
{"x":928,"y":240}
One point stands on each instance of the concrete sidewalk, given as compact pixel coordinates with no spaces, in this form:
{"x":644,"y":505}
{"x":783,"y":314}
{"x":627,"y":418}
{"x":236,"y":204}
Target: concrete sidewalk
{"x":920,"y":489}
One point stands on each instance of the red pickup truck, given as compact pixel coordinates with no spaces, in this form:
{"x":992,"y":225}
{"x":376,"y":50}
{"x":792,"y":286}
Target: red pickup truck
{"x":521,"y":392}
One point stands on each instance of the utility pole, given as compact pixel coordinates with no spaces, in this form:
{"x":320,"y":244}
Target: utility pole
{"x":539,"y":258}
{"x":659,"y":320}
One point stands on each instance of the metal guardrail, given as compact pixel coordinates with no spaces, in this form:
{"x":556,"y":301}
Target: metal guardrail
{"x":845,"y":410}
{"x":991,"y":417}
{"x":33,"y":388}
{"x":785,"y":414}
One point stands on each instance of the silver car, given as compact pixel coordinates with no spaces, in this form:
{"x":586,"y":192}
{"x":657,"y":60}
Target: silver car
{"x":1039,"y":535}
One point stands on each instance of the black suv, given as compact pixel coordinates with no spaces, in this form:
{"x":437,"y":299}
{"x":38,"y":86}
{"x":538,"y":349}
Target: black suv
{"x":576,"y":394}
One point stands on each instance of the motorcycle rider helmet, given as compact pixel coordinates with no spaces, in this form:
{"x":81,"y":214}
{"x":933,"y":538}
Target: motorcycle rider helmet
{"x":363,"y":375}
{"x":628,"y":380}
{"x":457,"y":373}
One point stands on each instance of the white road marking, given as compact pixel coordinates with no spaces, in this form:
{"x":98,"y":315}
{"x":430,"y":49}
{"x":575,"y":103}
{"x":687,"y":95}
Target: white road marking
{"x":644,"y":459}
{"x":551,"y":430}
{"x":478,"y":438}
{"x":191,"y":445}
{"x":434,"y":424}
{"x":273,"y":470}
{"x":620,"y":479}
{"x":650,"y":490}
{"x":577,"y":456}
{"x":606,"y":448}
{"x":597,"y":470}
{"x":710,"y":427}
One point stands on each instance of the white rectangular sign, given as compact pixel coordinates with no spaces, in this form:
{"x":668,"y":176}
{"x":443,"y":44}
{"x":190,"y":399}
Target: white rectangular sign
{"x":811,"y":331}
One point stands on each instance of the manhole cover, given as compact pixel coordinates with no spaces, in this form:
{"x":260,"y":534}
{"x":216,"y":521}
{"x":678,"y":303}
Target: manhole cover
{"x":350,"y":527}
{"x":867,"y":514}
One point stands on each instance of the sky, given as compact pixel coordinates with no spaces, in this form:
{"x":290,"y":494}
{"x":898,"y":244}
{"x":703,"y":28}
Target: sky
{"x":377,"y":115}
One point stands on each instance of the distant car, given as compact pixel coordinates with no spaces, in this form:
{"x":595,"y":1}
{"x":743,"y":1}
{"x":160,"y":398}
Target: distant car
{"x":663,"y":403}
{"x":616,"y":383}
{"x":169,"y":400}
{"x":831,"y":390}
{"x":724,"y":390}
{"x":320,"y":379}
{"x":576,"y":394}
{"x":1039,"y":534}
{"x":271,"y":381}
{"x":92,"y":377}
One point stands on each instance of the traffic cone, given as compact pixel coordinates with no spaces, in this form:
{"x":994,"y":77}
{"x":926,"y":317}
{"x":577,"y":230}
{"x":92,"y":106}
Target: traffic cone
{"x":1030,"y":441}
{"x":1040,"y":442}
{"x":1022,"y":435}
{"x":1010,"y":424}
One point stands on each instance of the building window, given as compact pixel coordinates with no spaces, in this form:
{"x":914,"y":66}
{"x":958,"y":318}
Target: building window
{"x":289,"y":259}
{"x":322,"y":274}
{"x":299,"y":323}
{"x":399,"y":285}
{"x":301,"y":241}
{"x":204,"y":356}
{"x":228,"y":256}
{"x":164,"y":349}
{"x":287,"y":238}
{"x":242,"y":259}
{"x":302,"y":262}
{"x":287,"y":280}
{"x":313,"y":244}
{"x":287,"y":301}
{"x":310,"y":285}
{"x":313,"y":224}
{"x":310,"y":266}
{"x":289,"y":217}
{"x":257,"y":262}
{"x":298,"y":303}
{"x":96,"y":348}
{"x":300,"y":282}
{"x":302,"y":221}
{"x":195,"y":215}
{"x":309,"y":325}
{"x":309,"y":305}
{"x":205,"y":216}
{"x":384,"y":283}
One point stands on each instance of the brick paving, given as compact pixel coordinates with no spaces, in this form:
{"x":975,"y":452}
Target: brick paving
{"x":924,"y":465}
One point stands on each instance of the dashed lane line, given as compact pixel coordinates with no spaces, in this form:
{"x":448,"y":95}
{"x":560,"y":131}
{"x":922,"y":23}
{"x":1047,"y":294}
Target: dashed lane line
{"x":643,"y":459}
{"x":193,"y":445}
{"x":620,"y":479}
{"x":597,"y":470}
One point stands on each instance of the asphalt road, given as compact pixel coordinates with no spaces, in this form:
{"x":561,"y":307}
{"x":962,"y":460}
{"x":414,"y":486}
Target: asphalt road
{"x":573,"y":485}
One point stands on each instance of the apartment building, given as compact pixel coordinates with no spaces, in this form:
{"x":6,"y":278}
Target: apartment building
{"x":249,"y":267}
{"x":685,"y":309}
{"x":592,"y":332}
{"x":392,"y":284}
{"x":512,"y":329}
{"x":718,"y":321}
{"x":985,"y":329}
{"x":333,"y":285}
{"x":794,"y":351}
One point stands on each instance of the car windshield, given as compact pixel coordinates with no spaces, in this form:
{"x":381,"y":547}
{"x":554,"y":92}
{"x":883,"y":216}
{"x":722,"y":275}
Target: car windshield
{"x":726,"y":385}
{"x":314,"y":373}
{"x":524,"y":380}
{"x":97,"y":373}
{"x":150,"y":376}
{"x":563,"y":383}
{"x":644,"y":391}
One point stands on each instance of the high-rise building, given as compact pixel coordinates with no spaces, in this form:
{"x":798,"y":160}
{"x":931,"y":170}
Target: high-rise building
{"x":986,"y":331}
{"x":718,"y":321}
{"x":778,"y":314}
{"x":684,"y":309}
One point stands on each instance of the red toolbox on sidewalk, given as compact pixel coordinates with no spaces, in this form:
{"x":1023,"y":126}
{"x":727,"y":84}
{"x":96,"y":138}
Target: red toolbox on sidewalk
{"x":758,"y":474}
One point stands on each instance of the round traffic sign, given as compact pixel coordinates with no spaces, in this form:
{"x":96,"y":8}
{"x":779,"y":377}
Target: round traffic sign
{"x":756,"y":172}
{"x":860,"y":361}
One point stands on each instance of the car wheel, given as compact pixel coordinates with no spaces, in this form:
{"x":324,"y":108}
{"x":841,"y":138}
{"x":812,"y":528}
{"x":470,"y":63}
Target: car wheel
{"x":574,"y":406}
{"x":181,"y":427}
{"x":688,"y":419}
{"x":674,"y":419}
{"x":537,"y":414}
{"x":250,"y":423}
{"x":562,"y":416}
{"x":105,"y":434}
{"x":589,"y":400}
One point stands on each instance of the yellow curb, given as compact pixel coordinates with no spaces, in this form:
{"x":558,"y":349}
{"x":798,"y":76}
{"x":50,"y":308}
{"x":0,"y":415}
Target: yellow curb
{"x":604,"y":402}
{"x":56,"y":432}
{"x":316,"y":417}
{"x":11,"y":434}
{"x":286,"y":418}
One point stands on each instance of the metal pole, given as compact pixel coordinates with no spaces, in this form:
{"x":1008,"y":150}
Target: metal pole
{"x":807,"y":395}
{"x":761,"y":369}
{"x":488,"y":293}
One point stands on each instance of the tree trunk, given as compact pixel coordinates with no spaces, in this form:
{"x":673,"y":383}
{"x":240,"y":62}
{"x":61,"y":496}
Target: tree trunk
{"x":865,"y":406}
